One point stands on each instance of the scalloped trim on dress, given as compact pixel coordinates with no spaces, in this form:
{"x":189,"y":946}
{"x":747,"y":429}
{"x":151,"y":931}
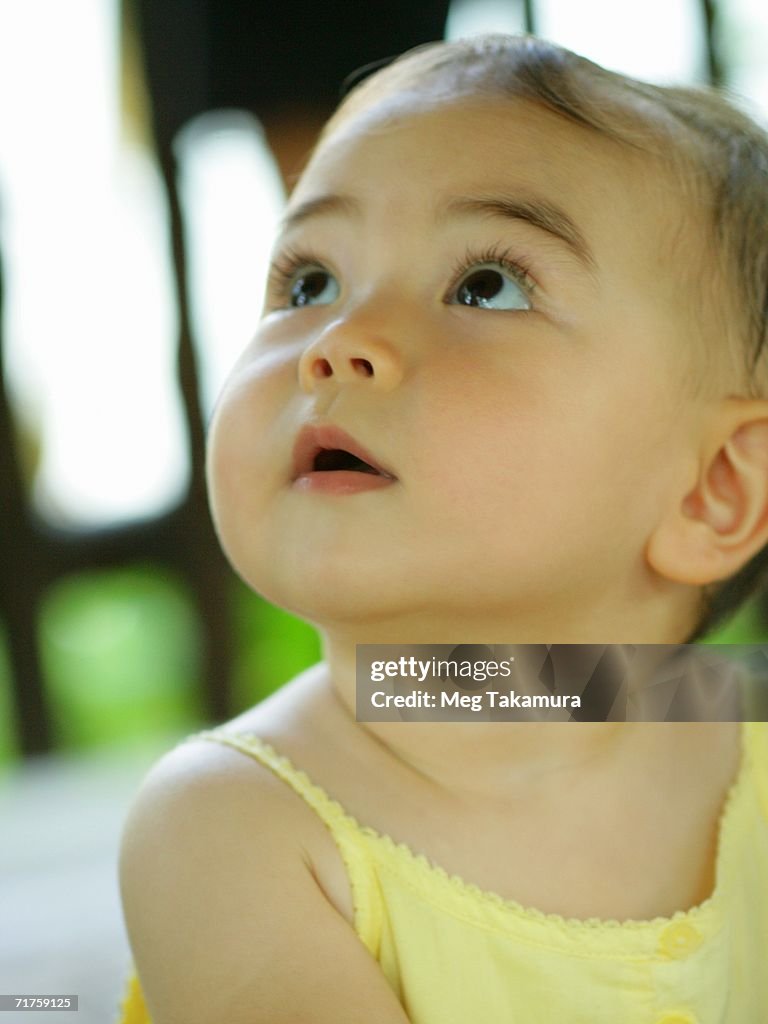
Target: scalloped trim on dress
{"x":434,"y":873}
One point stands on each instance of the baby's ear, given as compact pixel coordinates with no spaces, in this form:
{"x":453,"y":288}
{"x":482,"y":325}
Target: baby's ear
{"x":714,"y":529}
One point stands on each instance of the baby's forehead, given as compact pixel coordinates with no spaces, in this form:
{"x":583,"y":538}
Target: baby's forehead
{"x":471,"y":143}
{"x":489,"y":125}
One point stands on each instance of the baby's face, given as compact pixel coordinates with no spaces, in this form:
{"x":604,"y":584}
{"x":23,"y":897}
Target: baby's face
{"x":479,"y":295}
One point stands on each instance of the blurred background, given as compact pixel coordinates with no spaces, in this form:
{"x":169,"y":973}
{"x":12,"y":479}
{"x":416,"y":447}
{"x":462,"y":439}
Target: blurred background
{"x":146,"y":148}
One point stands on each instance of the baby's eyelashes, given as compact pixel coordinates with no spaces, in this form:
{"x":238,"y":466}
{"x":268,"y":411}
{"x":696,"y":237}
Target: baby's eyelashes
{"x":490,"y":279}
{"x":299,"y":279}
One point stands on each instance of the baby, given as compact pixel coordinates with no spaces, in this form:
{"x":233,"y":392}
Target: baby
{"x":507,"y":388}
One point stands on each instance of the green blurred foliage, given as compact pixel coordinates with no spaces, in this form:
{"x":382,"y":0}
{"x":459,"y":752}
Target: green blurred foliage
{"x":120,"y":656}
{"x":272,"y":647}
{"x":8,"y":745}
{"x":121,"y":659}
{"x":748,"y":626}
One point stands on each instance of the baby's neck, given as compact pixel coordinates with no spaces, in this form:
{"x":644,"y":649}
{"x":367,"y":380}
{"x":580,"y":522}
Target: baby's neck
{"x":503,"y":755}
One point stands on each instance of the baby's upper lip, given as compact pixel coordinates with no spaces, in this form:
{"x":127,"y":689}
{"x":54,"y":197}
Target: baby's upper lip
{"x":315,"y":438}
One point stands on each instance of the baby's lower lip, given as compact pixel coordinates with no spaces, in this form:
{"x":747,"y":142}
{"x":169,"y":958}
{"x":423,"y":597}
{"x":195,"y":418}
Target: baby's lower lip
{"x":341,"y":481}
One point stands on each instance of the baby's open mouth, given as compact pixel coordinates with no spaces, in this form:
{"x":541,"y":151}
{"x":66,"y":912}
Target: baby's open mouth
{"x":334,"y":459}
{"x":326,"y":449}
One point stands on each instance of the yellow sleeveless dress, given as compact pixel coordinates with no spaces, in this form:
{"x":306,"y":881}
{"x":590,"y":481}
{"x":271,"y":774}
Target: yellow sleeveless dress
{"x":455,"y":954}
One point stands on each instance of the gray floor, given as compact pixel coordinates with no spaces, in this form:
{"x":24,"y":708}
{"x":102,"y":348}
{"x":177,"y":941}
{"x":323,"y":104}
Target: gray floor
{"x":61,"y":926}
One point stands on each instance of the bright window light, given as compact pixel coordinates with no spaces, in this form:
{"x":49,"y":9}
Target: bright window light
{"x":232,"y":196}
{"x":474,"y":17}
{"x":90,"y":325}
{"x":90,"y":321}
{"x":745,"y":44}
{"x":657,"y":40}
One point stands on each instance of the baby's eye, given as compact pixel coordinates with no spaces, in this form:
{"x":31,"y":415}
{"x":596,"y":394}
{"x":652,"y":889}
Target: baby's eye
{"x":490,"y":286}
{"x":313,"y":286}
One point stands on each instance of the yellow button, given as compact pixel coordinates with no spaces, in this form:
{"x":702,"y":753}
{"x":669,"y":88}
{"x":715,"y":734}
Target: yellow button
{"x":678,"y":940}
{"x":677,"y":1018}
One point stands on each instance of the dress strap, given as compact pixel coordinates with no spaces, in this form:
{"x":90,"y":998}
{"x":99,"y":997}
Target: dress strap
{"x":347,"y":834}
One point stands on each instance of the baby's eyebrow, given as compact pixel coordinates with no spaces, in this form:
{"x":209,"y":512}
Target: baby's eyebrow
{"x":318,"y":207}
{"x":538,"y":212}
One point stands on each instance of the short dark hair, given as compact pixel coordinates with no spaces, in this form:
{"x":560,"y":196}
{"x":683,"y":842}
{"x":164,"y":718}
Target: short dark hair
{"x":719,"y":153}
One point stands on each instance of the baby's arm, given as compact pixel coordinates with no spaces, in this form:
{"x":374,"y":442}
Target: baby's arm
{"x":226,"y":920}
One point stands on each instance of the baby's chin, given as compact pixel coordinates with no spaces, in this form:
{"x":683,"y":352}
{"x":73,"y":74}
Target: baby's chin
{"x":394,"y":609}
{"x":331,"y":602}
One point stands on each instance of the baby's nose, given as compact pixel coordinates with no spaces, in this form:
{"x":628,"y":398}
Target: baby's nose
{"x":342,"y":367}
{"x":345,"y":355}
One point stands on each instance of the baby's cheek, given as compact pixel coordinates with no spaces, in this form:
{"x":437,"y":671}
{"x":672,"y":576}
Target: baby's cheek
{"x":227,"y":455}
{"x":221,"y":478}
{"x":233,"y":498}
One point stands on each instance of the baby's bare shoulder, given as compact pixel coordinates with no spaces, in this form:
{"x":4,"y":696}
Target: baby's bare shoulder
{"x":221,"y":902}
{"x":204,"y":808}
{"x":207,"y":792}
